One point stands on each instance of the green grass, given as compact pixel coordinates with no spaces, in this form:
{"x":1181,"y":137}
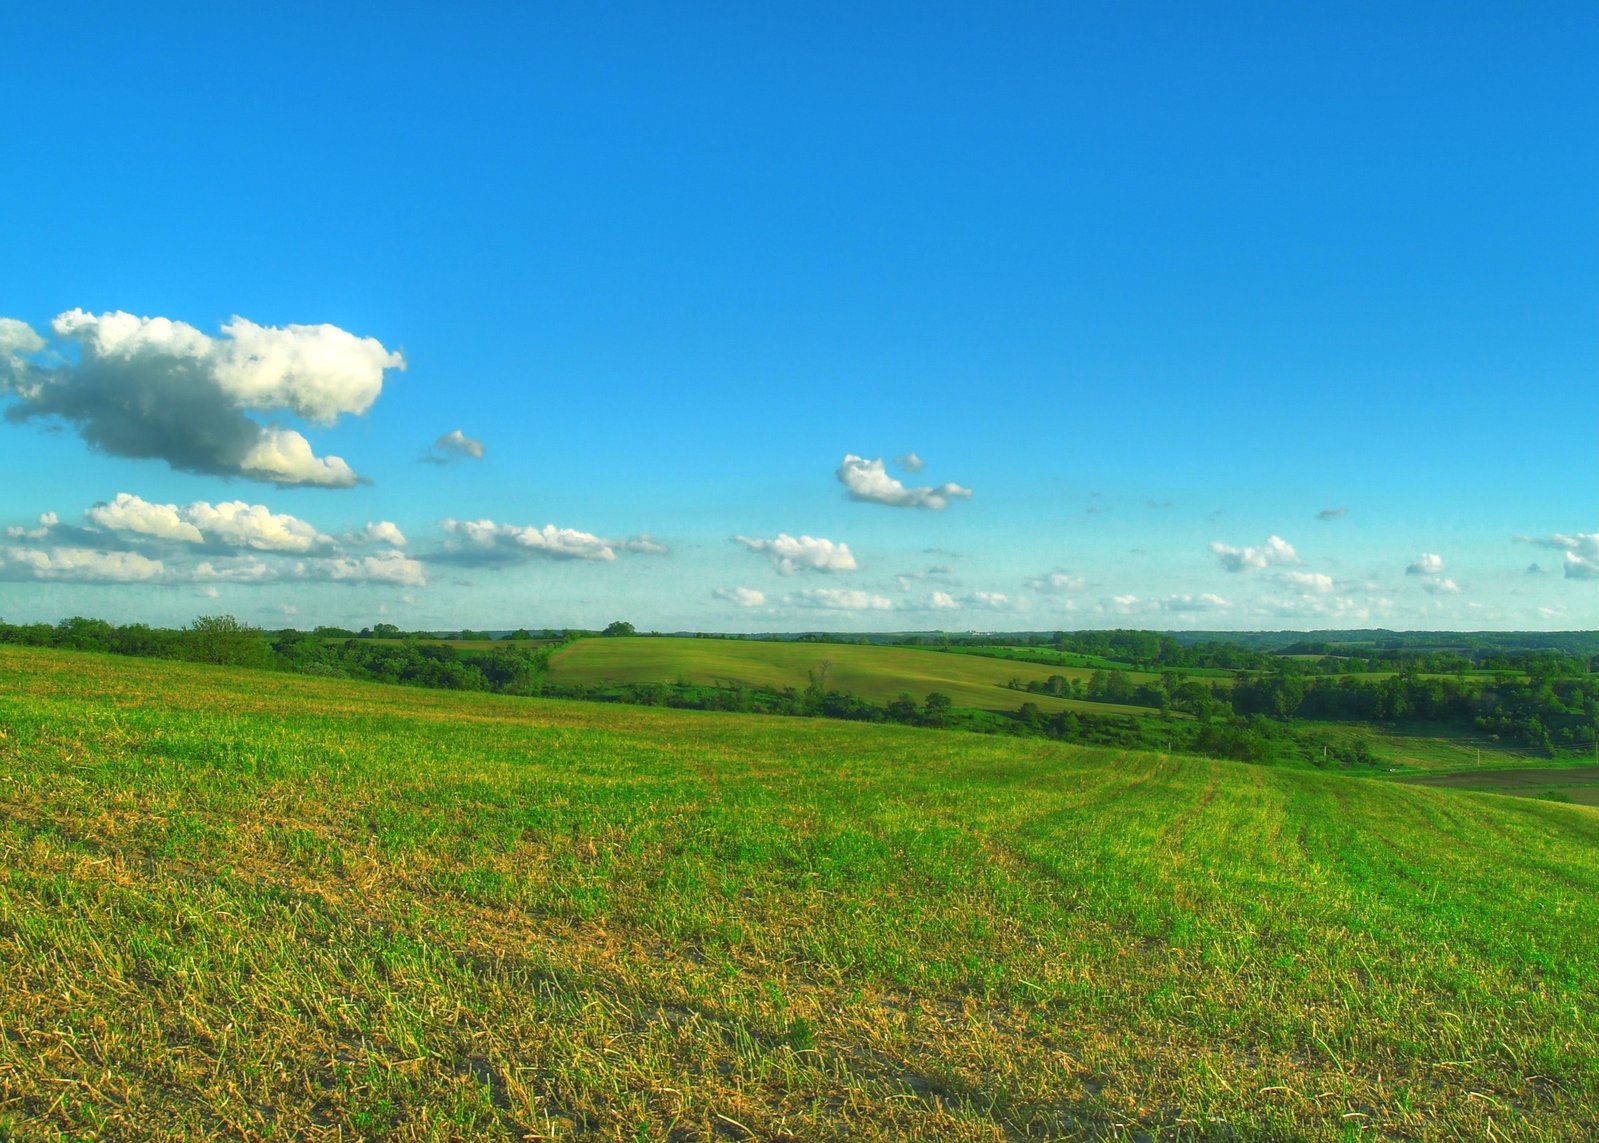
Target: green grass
{"x":238,"y":905}
{"x":1428,"y":747}
{"x":874,"y":673}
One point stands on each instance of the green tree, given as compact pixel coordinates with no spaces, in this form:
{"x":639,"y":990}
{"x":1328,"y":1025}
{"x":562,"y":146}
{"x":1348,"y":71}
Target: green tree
{"x":620,"y":627}
{"x":222,"y":639}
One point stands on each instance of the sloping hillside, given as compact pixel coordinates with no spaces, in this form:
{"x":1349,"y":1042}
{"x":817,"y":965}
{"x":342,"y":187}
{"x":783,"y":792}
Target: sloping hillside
{"x":262,"y":906}
{"x":875,"y":673}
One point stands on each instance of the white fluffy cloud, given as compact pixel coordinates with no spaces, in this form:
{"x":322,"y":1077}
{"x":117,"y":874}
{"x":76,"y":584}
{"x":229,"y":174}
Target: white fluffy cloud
{"x":1438,"y":585}
{"x":1428,"y":563}
{"x":233,"y":524}
{"x":47,"y":521}
{"x":790,"y":554}
{"x":943,"y":601}
{"x":910,"y":462}
{"x":1275,"y":550}
{"x":1305,"y":581}
{"x":741,"y":596}
{"x":867,"y":480}
{"x":236,"y":569}
{"x":284,"y":457}
{"x":79,"y":565}
{"x":1580,"y":552}
{"x":838,"y":599}
{"x":385,"y":567}
{"x":485,"y":542}
{"x":155,"y":388}
{"x":380,"y":532}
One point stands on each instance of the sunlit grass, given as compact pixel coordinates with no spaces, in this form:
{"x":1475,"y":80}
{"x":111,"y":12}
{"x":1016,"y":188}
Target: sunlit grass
{"x":262,"y":906}
{"x":877,"y":674}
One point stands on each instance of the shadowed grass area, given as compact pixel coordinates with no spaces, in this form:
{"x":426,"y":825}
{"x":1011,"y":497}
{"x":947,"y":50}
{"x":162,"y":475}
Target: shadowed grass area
{"x":262,"y":906}
{"x":877,"y":674}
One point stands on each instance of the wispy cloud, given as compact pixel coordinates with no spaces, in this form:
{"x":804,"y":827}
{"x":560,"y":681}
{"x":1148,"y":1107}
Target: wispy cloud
{"x":1332,"y":513}
{"x":1058,"y":583}
{"x":837,"y":599}
{"x":741,"y":596}
{"x":453,"y":446}
{"x":910,"y":463}
{"x":154,"y":388}
{"x":1428,"y":563}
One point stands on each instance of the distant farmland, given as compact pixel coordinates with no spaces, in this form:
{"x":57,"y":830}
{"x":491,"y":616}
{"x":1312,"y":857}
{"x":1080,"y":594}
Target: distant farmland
{"x":874,"y":673}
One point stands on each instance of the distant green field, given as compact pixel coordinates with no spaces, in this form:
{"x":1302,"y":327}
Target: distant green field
{"x":261,"y":906}
{"x":1576,"y":784}
{"x":1430,"y":747}
{"x":875,"y":673}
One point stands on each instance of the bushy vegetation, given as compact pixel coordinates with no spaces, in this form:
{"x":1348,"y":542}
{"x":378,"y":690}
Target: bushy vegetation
{"x":1225,"y":702}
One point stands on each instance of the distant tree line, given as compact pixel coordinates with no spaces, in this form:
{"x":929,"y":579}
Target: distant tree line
{"x":1545,"y":700}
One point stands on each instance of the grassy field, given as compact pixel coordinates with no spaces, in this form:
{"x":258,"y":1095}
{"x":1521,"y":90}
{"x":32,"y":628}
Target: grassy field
{"x":1431,"y":747}
{"x":1576,"y":784}
{"x":238,"y":905}
{"x":875,"y":673}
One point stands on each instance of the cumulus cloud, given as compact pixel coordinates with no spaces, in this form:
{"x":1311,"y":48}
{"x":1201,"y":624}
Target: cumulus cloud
{"x":1332,"y":513}
{"x":1305,"y":581}
{"x":236,"y":569}
{"x":910,"y":463}
{"x":838,"y":599}
{"x":47,"y":521}
{"x":453,"y":446}
{"x":1438,"y":585}
{"x":1275,"y":550}
{"x":17,"y":340}
{"x":1580,"y":552}
{"x":388,"y":567}
{"x":379,"y":532}
{"x":790,"y":554}
{"x":1428,"y":563}
{"x":1058,"y":583}
{"x":484,"y":541}
{"x":868,"y":481}
{"x":232,"y":524}
{"x":943,"y":601}
{"x":78,"y":565}
{"x":741,"y":596}
{"x":152,"y":388}
{"x":385,"y":567}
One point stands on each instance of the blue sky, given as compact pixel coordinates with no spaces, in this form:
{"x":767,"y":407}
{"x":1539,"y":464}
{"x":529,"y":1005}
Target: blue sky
{"x":1226,"y":316}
